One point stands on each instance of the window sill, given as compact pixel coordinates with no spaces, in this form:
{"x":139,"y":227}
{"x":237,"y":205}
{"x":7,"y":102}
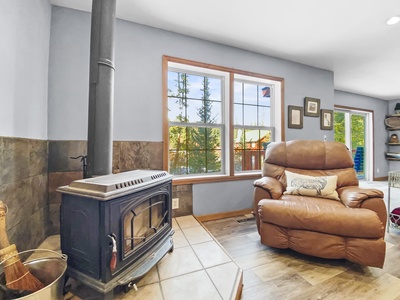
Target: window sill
{"x":214,"y":178}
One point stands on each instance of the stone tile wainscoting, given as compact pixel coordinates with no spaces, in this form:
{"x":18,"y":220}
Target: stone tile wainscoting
{"x":127,"y":156}
{"x":24,"y":189}
{"x":31,"y":170}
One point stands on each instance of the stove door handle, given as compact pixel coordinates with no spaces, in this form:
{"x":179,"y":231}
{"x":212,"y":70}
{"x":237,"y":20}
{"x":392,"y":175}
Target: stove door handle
{"x":113,"y":261}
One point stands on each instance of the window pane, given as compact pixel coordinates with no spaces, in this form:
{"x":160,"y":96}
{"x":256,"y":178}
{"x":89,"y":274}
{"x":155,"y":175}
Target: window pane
{"x":252,"y":138}
{"x":264,"y":116}
{"x":195,"y":85}
{"x":238,"y":92}
{"x":339,"y":127}
{"x":215,"y":86}
{"x":200,"y":111}
{"x":239,"y":160}
{"x":177,"y":138}
{"x":250,"y":115}
{"x":176,"y":110}
{"x":194,"y":150}
{"x":204,"y":138}
{"x":251,"y":160}
{"x":238,"y":138}
{"x":213,"y":138}
{"x":197,"y":161}
{"x":204,"y":161}
{"x":265,"y":139}
{"x":238,"y":114}
{"x":197,"y":138}
{"x":193,"y":108}
{"x":250,"y":94}
{"x":250,"y":145}
{"x":177,"y":84}
{"x":178,"y":162}
{"x":213,"y":158}
{"x":172,"y":84}
{"x":216,"y":115}
{"x":264,"y":96}
{"x":203,"y":87}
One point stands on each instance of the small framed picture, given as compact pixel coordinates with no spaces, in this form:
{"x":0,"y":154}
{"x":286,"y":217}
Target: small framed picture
{"x":295,"y":117}
{"x":311,"y":107}
{"x":326,"y":119}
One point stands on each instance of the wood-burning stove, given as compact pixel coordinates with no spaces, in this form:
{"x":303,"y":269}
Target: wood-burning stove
{"x":115,"y":228}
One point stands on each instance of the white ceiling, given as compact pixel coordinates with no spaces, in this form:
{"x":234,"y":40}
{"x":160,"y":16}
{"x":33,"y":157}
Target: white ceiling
{"x":348,"y":37}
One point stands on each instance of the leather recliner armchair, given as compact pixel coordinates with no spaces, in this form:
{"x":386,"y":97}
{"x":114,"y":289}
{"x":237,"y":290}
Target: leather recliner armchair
{"x":351,"y":227}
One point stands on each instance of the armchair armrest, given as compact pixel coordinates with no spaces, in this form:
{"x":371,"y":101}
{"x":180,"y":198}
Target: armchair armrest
{"x":353,"y":196}
{"x":356,"y":197}
{"x":271,"y":185}
{"x":265,"y":188}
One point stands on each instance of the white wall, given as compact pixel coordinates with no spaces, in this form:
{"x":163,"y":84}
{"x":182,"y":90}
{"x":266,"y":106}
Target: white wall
{"x":380,"y":108}
{"x":24,"y":48}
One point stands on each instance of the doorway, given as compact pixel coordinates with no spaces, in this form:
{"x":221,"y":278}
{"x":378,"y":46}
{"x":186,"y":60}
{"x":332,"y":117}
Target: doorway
{"x":353,"y":127}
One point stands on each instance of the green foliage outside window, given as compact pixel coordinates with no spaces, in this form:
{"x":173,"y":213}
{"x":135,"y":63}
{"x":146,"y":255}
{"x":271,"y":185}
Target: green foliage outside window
{"x":357,"y":132}
{"x":357,"y":129}
{"x":194,"y":147}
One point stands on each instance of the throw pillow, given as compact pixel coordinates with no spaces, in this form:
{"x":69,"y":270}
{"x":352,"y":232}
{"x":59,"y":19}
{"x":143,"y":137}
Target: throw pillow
{"x":319,"y":186}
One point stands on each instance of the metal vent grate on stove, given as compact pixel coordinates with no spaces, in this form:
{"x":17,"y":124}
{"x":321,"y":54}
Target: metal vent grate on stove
{"x":104,"y":186}
{"x":128,"y":183}
{"x":139,"y":181}
{"x":159,"y":175}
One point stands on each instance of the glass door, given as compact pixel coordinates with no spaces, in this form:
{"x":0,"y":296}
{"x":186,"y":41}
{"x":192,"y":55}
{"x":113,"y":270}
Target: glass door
{"x":352,"y":128}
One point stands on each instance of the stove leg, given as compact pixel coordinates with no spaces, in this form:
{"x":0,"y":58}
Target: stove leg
{"x":109,"y":295}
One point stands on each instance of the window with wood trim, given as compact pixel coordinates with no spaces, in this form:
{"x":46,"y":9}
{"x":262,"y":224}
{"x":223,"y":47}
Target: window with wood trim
{"x":218,"y":121}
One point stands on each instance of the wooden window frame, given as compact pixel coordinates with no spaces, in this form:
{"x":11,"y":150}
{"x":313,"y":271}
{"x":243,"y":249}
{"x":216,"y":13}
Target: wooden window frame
{"x":211,"y":177}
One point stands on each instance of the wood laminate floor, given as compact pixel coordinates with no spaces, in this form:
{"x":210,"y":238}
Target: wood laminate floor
{"x":284,"y":274}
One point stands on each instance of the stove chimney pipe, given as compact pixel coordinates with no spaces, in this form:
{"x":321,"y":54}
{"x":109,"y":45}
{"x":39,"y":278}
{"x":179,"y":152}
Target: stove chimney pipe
{"x":101,"y":88}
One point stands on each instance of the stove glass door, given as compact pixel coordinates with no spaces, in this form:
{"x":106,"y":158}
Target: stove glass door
{"x":142,"y":222}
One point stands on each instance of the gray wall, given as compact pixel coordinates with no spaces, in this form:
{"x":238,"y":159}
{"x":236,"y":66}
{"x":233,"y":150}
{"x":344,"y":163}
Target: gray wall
{"x":210,"y":198}
{"x":138,"y":87}
{"x":138,"y":55}
{"x":380,"y":108}
{"x":24,"y":48}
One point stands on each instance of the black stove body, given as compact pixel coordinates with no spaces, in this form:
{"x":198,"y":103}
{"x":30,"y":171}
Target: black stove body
{"x":115,"y":228}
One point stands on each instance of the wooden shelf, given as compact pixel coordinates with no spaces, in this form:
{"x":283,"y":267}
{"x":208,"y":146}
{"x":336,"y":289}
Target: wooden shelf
{"x":392,"y":155}
{"x":392,"y":122}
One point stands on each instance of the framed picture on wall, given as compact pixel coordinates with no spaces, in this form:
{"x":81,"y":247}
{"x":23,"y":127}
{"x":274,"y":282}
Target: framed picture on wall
{"x":295,"y":115}
{"x":326,"y":119}
{"x":311,"y":107}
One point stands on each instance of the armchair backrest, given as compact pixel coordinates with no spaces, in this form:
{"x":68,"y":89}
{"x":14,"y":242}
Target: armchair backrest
{"x":310,"y":157}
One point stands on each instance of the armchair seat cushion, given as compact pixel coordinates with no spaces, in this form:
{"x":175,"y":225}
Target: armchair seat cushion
{"x":321,"y":215}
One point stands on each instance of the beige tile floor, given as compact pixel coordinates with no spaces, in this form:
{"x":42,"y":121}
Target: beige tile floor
{"x":198,"y":268}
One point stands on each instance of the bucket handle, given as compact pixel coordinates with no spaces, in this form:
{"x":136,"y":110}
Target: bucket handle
{"x":60,"y":255}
